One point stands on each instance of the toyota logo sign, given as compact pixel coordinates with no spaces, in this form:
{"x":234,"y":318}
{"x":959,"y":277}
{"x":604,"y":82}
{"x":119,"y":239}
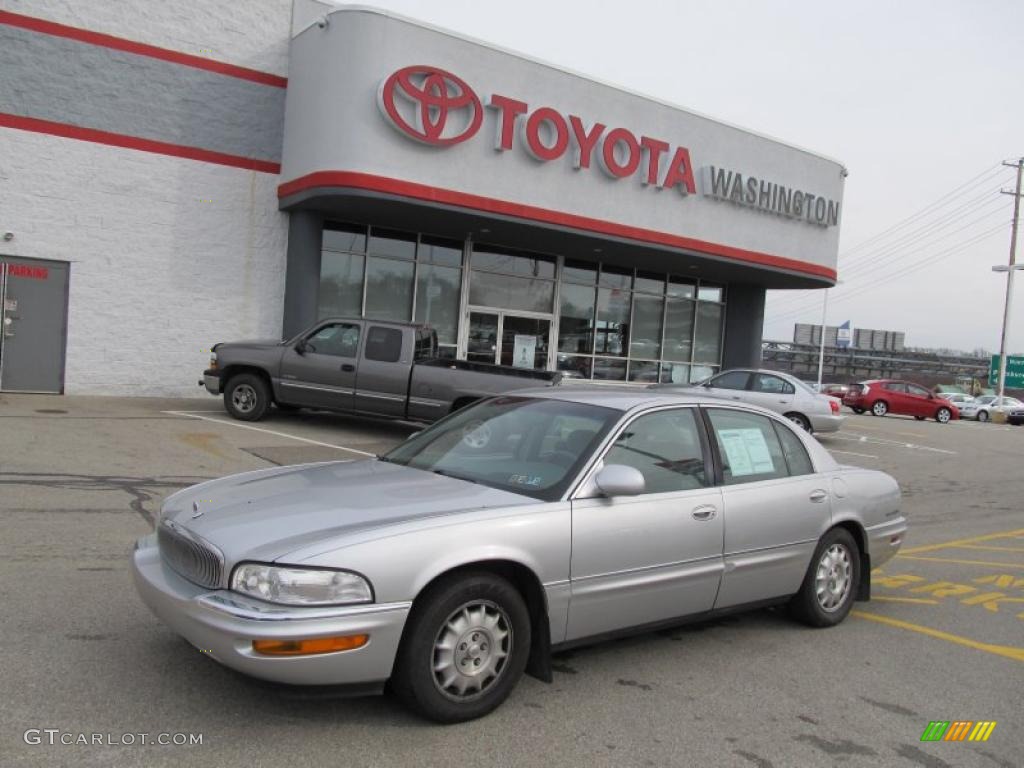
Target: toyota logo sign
{"x":430,"y":105}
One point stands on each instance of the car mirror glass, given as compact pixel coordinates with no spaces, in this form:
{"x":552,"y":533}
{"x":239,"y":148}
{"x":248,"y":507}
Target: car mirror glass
{"x":619,"y":480}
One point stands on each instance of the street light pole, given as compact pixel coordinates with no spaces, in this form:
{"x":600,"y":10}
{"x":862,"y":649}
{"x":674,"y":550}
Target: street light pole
{"x":1009,"y":279}
{"x":821,"y":350}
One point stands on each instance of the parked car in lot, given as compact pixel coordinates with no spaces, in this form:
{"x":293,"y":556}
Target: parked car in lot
{"x":1016,"y":416}
{"x":986,"y":405}
{"x":519,"y":525}
{"x":959,"y":399}
{"x":882,"y":396}
{"x":363,"y":366}
{"x":835,"y":390}
{"x":773,"y":390}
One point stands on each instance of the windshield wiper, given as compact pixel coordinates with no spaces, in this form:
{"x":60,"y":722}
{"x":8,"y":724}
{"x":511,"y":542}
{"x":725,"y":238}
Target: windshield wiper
{"x":446,"y":473}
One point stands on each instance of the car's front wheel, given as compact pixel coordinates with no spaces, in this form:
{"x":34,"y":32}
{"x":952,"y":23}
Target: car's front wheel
{"x":464,"y":649}
{"x":247,"y":396}
{"x":880,"y":408}
{"x":982,"y":415}
{"x":943,"y":415}
{"x":830,"y":585}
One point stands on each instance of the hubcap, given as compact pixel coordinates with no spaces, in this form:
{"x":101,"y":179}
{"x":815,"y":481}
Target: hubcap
{"x":244,"y":398}
{"x":472,"y":650}
{"x":833,"y":579}
{"x":879,"y":409}
{"x":799,"y":422}
{"x":943,"y":415}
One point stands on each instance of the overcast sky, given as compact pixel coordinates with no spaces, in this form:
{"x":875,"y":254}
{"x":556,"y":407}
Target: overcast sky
{"x":915,"y":98}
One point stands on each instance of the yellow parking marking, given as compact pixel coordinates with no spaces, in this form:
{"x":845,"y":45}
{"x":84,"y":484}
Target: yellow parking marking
{"x":1010,"y":652}
{"x":1018,"y":533}
{"x":916,"y":600}
{"x":962,"y":562}
{"x":991,"y":549}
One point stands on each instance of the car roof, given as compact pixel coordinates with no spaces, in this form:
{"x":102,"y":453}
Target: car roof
{"x":625,"y":398}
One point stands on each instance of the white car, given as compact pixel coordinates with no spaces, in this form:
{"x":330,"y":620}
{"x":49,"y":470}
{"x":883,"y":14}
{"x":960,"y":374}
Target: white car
{"x":959,"y":399}
{"x":779,"y":392}
{"x":983,"y":407}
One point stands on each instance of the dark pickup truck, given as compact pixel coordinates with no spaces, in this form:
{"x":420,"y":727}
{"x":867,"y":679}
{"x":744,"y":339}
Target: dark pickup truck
{"x":361,"y":366}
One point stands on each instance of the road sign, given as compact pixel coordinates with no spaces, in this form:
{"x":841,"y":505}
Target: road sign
{"x":1014,"y":372}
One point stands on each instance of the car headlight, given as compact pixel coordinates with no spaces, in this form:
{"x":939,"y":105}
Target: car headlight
{"x":301,"y":586}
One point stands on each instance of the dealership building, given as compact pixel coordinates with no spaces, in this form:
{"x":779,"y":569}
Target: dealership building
{"x":177,"y":174}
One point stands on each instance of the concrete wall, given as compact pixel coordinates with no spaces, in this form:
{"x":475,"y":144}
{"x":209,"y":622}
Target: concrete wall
{"x":168,"y":255}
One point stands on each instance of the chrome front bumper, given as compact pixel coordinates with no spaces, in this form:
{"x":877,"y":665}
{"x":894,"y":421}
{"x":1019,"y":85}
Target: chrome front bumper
{"x":222,"y":624}
{"x":823,"y":423}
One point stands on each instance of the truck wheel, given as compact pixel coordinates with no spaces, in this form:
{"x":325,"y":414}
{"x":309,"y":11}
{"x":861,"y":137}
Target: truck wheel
{"x":465,"y":647}
{"x":247,"y":397}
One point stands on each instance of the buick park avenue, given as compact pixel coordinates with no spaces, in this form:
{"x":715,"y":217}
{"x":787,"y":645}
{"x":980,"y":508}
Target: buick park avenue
{"x":515,"y":527}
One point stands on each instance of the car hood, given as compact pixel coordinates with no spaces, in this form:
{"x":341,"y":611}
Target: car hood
{"x":248,"y":343}
{"x":266,"y":514}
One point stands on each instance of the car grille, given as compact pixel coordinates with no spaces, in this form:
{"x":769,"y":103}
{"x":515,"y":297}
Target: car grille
{"x":190,"y":556}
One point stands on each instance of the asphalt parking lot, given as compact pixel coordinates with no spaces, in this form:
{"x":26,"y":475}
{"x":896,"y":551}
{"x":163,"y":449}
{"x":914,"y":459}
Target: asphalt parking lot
{"x":943,"y":638}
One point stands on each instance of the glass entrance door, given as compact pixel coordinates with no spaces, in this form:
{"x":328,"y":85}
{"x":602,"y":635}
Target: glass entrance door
{"x":508,"y":339}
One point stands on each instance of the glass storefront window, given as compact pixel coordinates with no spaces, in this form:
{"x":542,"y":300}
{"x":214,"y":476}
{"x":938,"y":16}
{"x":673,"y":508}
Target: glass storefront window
{"x":506,"y":292}
{"x":642,"y":370}
{"x":612,"y":322}
{"x":510,"y":262}
{"x":437,"y":300}
{"x":341,"y":285}
{"x":709,"y":292}
{"x":679,"y":330}
{"x":649,"y":283}
{"x":579,"y":272}
{"x":646,"y":330}
{"x":344,"y":237}
{"x":576,"y":323}
{"x":609,"y":369}
{"x":699,"y":373}
{"x":616,"y":277}
{"x":397,"y":245}
{"x":575,"y":367}
{"x":681,"y":288}
{"x":675,"y":373}
{"x":707,"y":346}
{"x":389,"y":289}
{"x":447,"y":253}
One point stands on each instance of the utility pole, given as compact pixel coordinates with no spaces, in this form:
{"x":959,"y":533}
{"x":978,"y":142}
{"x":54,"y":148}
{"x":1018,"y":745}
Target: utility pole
{"x":821,"y":348}
{"x":1009,"y":275}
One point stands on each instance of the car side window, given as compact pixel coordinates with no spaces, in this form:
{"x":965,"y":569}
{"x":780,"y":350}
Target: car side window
{"x":772,"y":385}
{"x":665,"y":447}
{"x":338,"y":339}
{"x":797,"y":459}
{"x":731,"y":380}
{"x":895,"y":386}
{"x":383,"y":344}
{"x":748,"y":445}
{"x":913,"y":389}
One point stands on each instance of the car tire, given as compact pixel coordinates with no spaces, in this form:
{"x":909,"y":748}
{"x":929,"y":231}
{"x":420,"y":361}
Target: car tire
{"x":247,"y":396}
{"x":919,"y":418}
{"x":479,"y":615}
{"x":801,"y":421}
{"x":879,"y":408}
{"x":830,"y":585}
{"x":982,"y":415}
{"x":858,"y":411}
{"x":943,"y":415}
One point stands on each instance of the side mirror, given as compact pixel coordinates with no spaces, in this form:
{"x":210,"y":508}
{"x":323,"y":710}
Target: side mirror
{"x":300,"y":346}
{"x":619,"y":480}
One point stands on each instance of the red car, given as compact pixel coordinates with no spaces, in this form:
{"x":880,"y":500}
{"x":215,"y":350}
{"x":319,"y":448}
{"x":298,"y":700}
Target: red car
{"x":882,"y":396}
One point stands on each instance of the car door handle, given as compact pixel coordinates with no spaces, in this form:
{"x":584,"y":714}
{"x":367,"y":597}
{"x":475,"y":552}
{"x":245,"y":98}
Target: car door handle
{"x":818,"y":496}
{"x":347,"y":367}
{"x":704,"y":512}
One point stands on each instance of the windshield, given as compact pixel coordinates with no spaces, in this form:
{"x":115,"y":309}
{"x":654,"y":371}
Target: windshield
{"x":524,"y":445}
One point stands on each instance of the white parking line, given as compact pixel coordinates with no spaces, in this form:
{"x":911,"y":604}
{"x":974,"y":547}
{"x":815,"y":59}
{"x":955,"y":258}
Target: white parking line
{"x":194,"y":415}
{"x":851,"y":453}
{"x":854,"y":437}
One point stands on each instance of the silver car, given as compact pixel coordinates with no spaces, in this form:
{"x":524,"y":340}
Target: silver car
{"x":775,"y":391}
{"x":520,"y":525}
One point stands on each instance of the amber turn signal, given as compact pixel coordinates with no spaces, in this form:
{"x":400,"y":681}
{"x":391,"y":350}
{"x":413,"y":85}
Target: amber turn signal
{"x":313,"y":645}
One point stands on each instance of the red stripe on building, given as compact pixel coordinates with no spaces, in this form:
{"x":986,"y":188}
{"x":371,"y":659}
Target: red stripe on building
{"x":387,"y":185}
{"x":134,"y":142}
{"x":140,"y":49}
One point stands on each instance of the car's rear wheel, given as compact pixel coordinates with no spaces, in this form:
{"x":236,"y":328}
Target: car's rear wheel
{"x":247,"y":396}
{"x":800,"y":420}
{"x":982,"y":415}
{"x":464,"y":649}
{"x":943,"y":415}
{"x":830,"y":585}
{"x":879,"y":408}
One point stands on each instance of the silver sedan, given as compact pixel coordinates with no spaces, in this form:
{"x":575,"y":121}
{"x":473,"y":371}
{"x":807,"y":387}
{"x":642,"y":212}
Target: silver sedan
{"x":779,"y":392}
{"x":521,"y":525}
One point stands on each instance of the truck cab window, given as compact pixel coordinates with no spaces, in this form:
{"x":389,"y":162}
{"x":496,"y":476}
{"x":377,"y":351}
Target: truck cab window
{"x":338,"y":339}
{"x":383,"y":344}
